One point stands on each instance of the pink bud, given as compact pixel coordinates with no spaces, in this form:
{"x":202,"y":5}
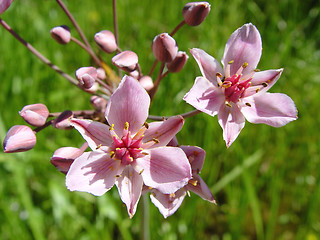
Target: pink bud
{"x":87,"y":76}
{"x":146,"y":82}
{"x":63,"y":120}
{"x":178,"y":63}
{"x":126,"y":60}
{"x":106,"y":41}
{"x":101,"y":73}
{"x":195,"y":12}
{"x":4,"y":4}
{"x":164,"y":47}
{"x":98,"y":103}
{"x":61,"y":34}
{"x":63,"y":157}
{"x":19,"y":138}
{"x":35,"y":114}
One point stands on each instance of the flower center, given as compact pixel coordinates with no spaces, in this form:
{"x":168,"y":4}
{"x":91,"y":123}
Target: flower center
{"x":127,"y":148}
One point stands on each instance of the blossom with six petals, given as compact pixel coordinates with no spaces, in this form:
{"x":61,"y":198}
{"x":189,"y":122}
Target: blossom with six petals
{"x":238,"y":91}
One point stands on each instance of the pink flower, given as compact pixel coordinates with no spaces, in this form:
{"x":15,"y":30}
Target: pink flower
{"x":169,"y":203}
{"x":4,"y":4}
{"x":129,"y":152}
{"x":238,"y":91}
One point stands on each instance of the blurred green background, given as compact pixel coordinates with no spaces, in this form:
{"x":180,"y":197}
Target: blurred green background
{"x":267,"y":184}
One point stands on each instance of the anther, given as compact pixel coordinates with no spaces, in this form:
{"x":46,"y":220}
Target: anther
{"x":111,"y":127}
{"x":228,"y":104}
{"x":219,"y":75}
{"x":257,"y":90}
{"x":112,"y":154}
{"x":141,"y":172}
{"x":265,"y":84}
{"x":245,"y":64}
{"x":172,"y":195}
{"x":99,"y":146}
{"x":146,"y":125}
{"x":257,"y":70}
{"x":126,"y":126}
{"x":117,"y":176}
{"x":230,"y":62}
{"x":155,"y":140}
{"x":248,"y":104}
{"x":193,"y":182}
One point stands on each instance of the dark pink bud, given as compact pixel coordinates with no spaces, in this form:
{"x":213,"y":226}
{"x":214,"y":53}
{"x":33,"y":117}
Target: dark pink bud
{"x":195,"y":12}
{"x":19,"y":138}
{"x":87,"y":76}
{"x":35,"y":114}
{"x":106,"y":41}
{"x":178,"y":63}
{"x":126,"y":60}
{"x":61,"y":34}
{"x":146,"y":82}
{"x":63,"y":157}
{"x":164,"y":47}
{"x":98,"y":103}
{"x":63,"y":120}
{"x":4,"y":4}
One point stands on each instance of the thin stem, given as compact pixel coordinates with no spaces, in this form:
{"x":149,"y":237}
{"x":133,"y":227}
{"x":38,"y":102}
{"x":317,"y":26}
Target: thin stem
{"x":184,"y":115}
{"x":75,"y":113}
{"x":115,"y":21}
{"x":38,"y":54}
{"x":77,"y":27}
{"x":153,"y":67}
{"x":47,"y":124}
{"x":157,"y":82}
{"x":145,"y":218}
{"x":177,"y":27}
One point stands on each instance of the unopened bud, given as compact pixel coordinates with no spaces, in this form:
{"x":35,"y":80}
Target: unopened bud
{"x":19,"y":138}
{"x":63,"y":158}
{"x":87,"y":76}
{"x":164,"y":47}
{"x":195,"y":12}
{"x":178,"y":63}
{"x":35,"y":114}
{"x":63,"y":120}
{"x":126,"y":60}
{"x":101,"y":73}
{"x":4,"y":4}
{"x":61,"y":34}
{"x":106,"y":41}
{"x":98,"y":103}
{"x":146,"y":82}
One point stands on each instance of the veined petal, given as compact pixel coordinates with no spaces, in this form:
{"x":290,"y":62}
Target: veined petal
{"x":93,"y":172}
{"x":201,"y":189}
{"x":205,"y":97}
{"x":274,"y":109}
{"x":167,"y":204}
{"x":243,"y":46}
{"x":129,"y":103}
{"x":208,"y":65}
{"x":196,"y":156}
{"x":232,"y":121}
{"x":95,"y":133}
{"x":164,"y":131}
{"x":165,"y":168}
{"x":129,"y":185}
{"x":262,"y":82}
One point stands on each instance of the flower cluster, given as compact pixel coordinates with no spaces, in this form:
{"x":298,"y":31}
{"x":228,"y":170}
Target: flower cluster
{"x":140,"y":157}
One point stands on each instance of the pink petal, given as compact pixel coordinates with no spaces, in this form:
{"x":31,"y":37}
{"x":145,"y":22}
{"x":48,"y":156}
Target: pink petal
{"x":208,"y":65}
{"x":165,"y":168}
{"x":244,"y":45}
{"x":95,"y":133}
{"x":262,"y":82}
{"x":163,"y":131}
{"x":4,"y":4}
{"x":129,"y":103}
{"x":129,"y":185}
{"x":19,"y":138}
{"x":232,"y":121}
{"x":205,"y":97}
{"x":196,"y":156}
{"x":167,"y":204}
{"x":93,"y":172}
{"x":201,"y":189}
{"x":274,"y":109}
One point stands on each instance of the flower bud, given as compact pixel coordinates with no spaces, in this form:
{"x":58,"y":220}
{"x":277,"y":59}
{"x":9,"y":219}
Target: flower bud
{"x":101,"y":73}
{"x":63,"y":157}
{"x":126,"y":60}
{"x":19,"y":138}
{"x":35,"y":114}
{"x":195,"y":12}
{"x":4,"y":4}
{"x":146,"y":82}
{"x":63,"y":120}
{"x":164,"y":47}
{"x":87,"y":76}
{"x":106,"y":41}
{"x":61,"y":34}
{"x":98,"y":103}
{"x":178,"y":63}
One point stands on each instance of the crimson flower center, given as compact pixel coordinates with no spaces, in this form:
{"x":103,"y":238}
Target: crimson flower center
{"x":234,"y":87}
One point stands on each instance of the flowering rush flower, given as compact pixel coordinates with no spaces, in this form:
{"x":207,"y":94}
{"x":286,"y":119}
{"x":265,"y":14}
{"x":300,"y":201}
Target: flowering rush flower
{"x":238,"y":91}
{"x":129,"y":152}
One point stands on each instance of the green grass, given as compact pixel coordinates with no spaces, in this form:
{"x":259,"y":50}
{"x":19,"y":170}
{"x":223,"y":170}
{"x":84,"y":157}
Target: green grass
{"x":267,"y":184}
